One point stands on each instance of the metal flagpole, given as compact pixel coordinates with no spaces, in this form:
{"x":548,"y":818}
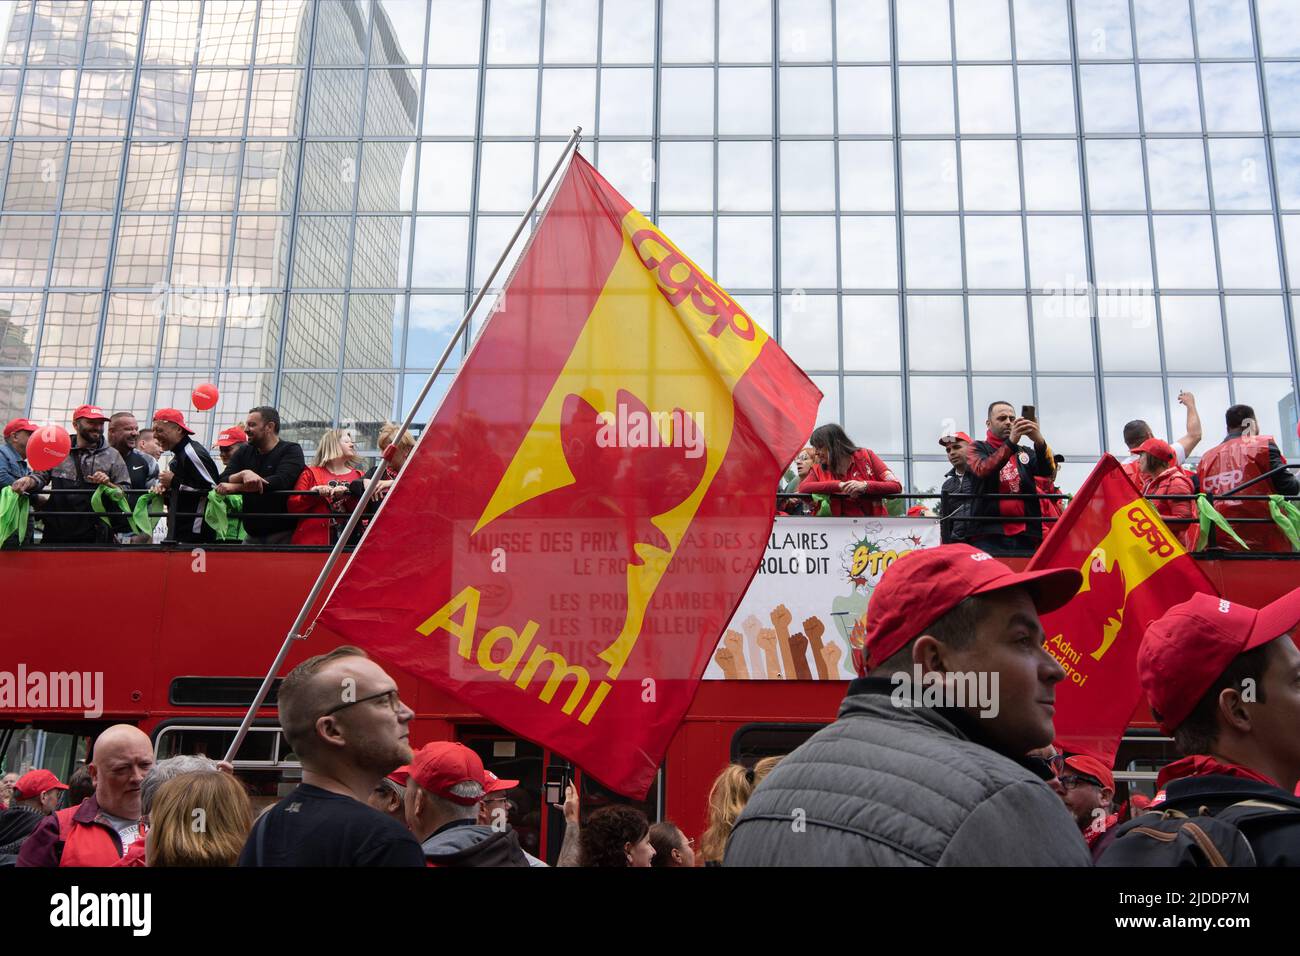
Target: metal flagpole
{"x":370,"y":486}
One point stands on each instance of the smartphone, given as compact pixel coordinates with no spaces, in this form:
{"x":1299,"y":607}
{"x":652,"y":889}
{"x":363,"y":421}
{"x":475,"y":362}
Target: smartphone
{"x":557,"y":784}
{"x":1027,"y":411}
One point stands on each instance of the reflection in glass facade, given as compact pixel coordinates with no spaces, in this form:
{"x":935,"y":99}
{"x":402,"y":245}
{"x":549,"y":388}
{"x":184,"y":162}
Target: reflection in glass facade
{"x":1084,"y":205}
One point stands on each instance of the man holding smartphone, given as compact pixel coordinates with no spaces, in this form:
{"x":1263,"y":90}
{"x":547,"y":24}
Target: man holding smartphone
{"x":1001,"y":465}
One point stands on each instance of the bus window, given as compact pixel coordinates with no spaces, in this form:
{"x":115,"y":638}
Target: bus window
{"x":511,"y":758}
{"x":593,"y":795}
{"x":753,"y":742}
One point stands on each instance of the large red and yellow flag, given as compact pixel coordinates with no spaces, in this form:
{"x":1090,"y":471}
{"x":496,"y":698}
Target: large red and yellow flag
{"x":1134,"y":569}
{"x":582,"y":516}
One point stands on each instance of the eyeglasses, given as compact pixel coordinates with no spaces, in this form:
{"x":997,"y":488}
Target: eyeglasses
{"x":390,"y":697}
{"x":1057,"y":763}
{"x":1073,"y":781}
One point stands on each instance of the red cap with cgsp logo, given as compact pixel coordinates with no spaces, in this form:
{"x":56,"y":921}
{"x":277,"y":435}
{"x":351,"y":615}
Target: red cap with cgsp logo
{"x":492,"y":783}
{"x":231,"y":436}
{"x":924,"y":585}
{"x":441,"y":765}
{"x":92,"y":412}
{"x":1082,"y":763}
{"x":1184,"y":652}
{"x":174,"y":416}
{"x":20,"y":425}
{"x":36,"y":782}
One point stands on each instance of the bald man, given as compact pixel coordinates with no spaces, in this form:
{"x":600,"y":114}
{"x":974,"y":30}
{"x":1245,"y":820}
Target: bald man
{"x":103,"y":827}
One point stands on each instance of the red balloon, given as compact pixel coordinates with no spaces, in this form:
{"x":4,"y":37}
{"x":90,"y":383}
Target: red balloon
{"x":204,"y":396}
{"x":47,"y":448}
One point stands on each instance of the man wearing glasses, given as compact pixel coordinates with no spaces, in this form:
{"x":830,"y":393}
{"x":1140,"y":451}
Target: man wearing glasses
{"x":1089,"y":789}
{"x":342,"y":716}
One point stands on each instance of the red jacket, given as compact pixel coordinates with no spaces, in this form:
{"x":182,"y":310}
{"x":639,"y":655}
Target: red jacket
{"x":317,"y":530}
{"x":74,"y":836}
{"x":1231,"y":464}
{"x":1174,"y":481}
{"x":865,"y":466}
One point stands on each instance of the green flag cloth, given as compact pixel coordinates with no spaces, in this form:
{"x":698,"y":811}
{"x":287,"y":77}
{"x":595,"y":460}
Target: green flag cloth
{"x":114,"y":495}
{"x":148,"y":510}
{"x":1287,"y":517}
{"x":823,"y":503}
{"x":219,"y":515}
{"x":13,"y":514}
{"x":1209,"y":516}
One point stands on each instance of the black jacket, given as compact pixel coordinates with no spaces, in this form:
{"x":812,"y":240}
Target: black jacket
{"x":952,"y":510}
{"x":983,"y":464}
{"x":16,"y":825}
{"x":194,"y":474}
{"x":74,"y":473}
{"x":1275,"y":840}
{"x":141,"y":468}
{"x":266,"y":514}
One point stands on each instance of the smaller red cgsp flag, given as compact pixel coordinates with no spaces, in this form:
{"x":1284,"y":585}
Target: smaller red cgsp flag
{"x":1134,"y":569}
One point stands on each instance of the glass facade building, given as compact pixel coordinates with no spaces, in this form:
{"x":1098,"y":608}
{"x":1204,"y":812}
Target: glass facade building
{"x":1084,"y":205}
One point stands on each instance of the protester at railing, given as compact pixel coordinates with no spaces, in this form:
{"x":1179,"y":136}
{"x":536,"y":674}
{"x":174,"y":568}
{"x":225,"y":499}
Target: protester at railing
{"x":1244,"y":455}
{"x":99,"y":830}
{"x":955,"y":494}
{"x":265,"y":464}
{"x":803,"y":464}
{"x":844,"y":469}
{"x":1159,"y":475}
{"x":1221,"y":678}
{"x":191,"y":475}
{"x":387,"y":468}
{"x":672,"y":847}
{"x":13,"y":453}
{"x":1088,"y":789}
{"x":902,"y":780}
{"x":1000,"y":465}
{"x":1050,"y":502}
{"x":229,"y":441}
{"x":616,"y":836}
{"x":1138,"y":431}
{"x":90,"y":464}
{"x":124,"y":436}
{"x":147,"y":444}
{"x":36,"y":794}
{"x":199,"y":819}
{"x":730,"y":792}
{"x":328,"y":478}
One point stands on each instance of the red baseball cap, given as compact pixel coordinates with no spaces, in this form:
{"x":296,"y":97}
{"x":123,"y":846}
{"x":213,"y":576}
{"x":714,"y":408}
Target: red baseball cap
{"x":20,"y":425}
{"x":956,"y":436}
{"x":1093,"y":768}
{"x":1187,"y":650}
{"x":492,"y":783}
{"x":231,"y":436}
{"x":924,"y":585}
{"x":174,"y":416}
{"x":401,"y":775}
{"x":92,"y":412}
{"x":36,"y":782}
{"x":1157,"y":448}
{"x":441,"y":765}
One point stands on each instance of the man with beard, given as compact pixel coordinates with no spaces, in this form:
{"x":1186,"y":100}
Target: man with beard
{"x":91,"y":462}
{"x":124,"y":436}
{"x":343,"y":717}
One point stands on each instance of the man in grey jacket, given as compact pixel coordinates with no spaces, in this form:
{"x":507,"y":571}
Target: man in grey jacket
{"x":925,"y":764}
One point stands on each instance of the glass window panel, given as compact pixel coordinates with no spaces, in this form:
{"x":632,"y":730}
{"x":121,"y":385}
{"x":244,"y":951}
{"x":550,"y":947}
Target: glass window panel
{"x":1193,"y":333}
{"x":275,"y":107}
{"x":1164,"y":28}
{"x":998,"y":388}
{"x":687,"y":31}
{"x":745,"y":252}
{"x":450,"y":102}
{"x":806,"y":100}
{"x":1291,"y":232}
{"x":319,"y":258}
{"x":1051,"y":174}
{"x":744,"y":176}
{"x":1042,"y":30}
{"x":397,"y":33}
{"x":211,"y":171}
{"x":260,"y":254}
{"x":628,"y":32}
{"x":869,"y":252}
{"x":1115,"y":178}
{"x":510,"y":102}
{"x":1127,"y":399}
{"x":686,"y":176}
{"x":431,"y":321}
{"x":627,"y":102}
{"x":936,"y":334}
{"x":999,"y":333}
{"x":1109,"y":98}
{"x":1286,"y":153}
{"x":1129,"y":340}
{"x":328,"y":177}
{"x":1121,"y":250}
{"x":1056,"y":252}
{"x":1231,"y":97}
{"x":46,"y":106}
{"x":983,"y":31}
{"x":1283,"y":95}
{"x":411,"y":386}
{"x":1046,"y":99}
{"x":392,"y":103}
{"x":571,"y":31}
{"x":866,"y":175}
{"x":1169,"y":99}
{"x":56,"y":33}
{"x":9,"y":88}
{"x":1255,"y":326}
{"x":129,"y":391}
{"x":1176,"y":171}
{"x":454,"y":38}
{"x":807,"y":252}
{"x":314,"y":332}
{"x":71,"y":325}
{"x":171,"y":33}
{"x":807,"y":175}
{"x":745,"y":100}
{"x":862,"y":29}
{"x":923,"y":30}
{"x":446,"y":176}
{"x":744,"y":29}
{"x":1210,"y":393}
{"x":829,"y":409}
{"x":102,"y":102}
{"x":92,"y":176}
{"x":386,"y":177}
{"x":1062,"y":332}
{"x":22,"y":312}
{"x":227,"y":34}
{"x":1248,"y":252}
{"x":810,"y":331}
{"x":1223,"y":28}
{"x":1267,"y":396}
{"x":1279,"y":27}
{"x":873,"y":413}
{"x":1240,"y":174}
{"x":871,"y":333}
{"x":568,"y":100}
{"x":1102,"y":27}
{"x":514,"y":31}
{"x":143,"y":243}
{"x":995,"y":255}
{"x":365,"y":404}
{"x":928,"y":477}
{"x":1067,"y":408}
{"x":630,"y":169}
{"x":56,"y":394}
{"x":937,"y":405}
{"x":990,"y":174}
{"x":371,"y":320}
{"x":1185,"y":252}
{"x":306,"y":407}
{"x":933,"y":252}
{"x":929,"y":174}
{"x":270,"y":171}
{"x":505,"y":176}
{"x":925,"y":99}
{"x":219,"y":103}
{"x":686,"y":101}
{"x":202,"y":249}
{"x":81,"y":252}
{"x":866,"y":99}
{"x":491,"y":235}
{"x":986,"y":99}
{"x":340,"y":30}
{"x":335,"y":103}
{"x":805,"y":30}
{"x":379,"y":252}
{"x":189,"y":338}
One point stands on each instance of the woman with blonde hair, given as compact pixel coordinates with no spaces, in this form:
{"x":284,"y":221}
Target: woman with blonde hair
{"x":199,"y":819}
{"x":334,"y":468}
{"x":731,"y":791}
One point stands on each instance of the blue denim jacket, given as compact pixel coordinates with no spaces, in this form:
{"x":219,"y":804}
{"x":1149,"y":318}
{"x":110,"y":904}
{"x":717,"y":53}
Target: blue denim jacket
{"x":11,"y":466}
